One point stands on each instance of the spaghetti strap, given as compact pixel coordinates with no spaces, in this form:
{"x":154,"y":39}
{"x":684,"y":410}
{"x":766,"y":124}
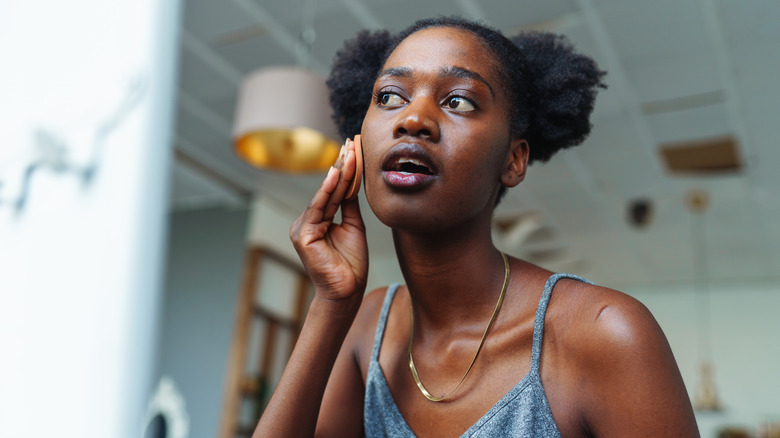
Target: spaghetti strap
{"x":380,"y":326}
{"x":536,"y":350}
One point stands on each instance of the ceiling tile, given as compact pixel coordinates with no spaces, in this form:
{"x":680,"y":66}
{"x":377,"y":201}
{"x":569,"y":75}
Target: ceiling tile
{"x":209,"y":19}
{"x":332,"y":30}
{"x":617,"y":160}
{"x":397,"y":15}
{"x":749,"y":24}
{"x":653,"y":31}
{"x":512,"y":16}
{"x":198,"y":79}
{"x":693,"y":124}
{"x":251,"y":54}
{"x":675,"y":77}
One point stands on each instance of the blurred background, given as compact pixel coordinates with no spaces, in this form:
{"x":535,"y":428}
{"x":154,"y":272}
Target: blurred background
{"x":672,"y":199}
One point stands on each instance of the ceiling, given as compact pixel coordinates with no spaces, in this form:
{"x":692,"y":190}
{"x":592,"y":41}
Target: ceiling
{"x":677,"y":71}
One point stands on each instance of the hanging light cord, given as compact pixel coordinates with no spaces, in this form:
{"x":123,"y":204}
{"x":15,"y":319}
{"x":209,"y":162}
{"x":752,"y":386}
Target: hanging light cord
{"x":419,"y":383}
{"x":702,"y":291}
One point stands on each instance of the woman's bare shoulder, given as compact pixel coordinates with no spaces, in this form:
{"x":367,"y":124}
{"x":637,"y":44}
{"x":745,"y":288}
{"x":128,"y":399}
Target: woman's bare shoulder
{"x":624,"y":363}
{"x":601,"y":315}
{"x":602,"y":323}
{"x":370,"y":308}
{"x":361,"y":334}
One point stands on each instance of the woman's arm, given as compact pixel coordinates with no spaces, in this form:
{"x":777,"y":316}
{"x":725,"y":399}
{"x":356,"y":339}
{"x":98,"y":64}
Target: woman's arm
{"x":633,"y":385}
{"x":336,"y":259}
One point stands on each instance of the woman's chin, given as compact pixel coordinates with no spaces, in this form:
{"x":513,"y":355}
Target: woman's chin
{"x":410,"y":216}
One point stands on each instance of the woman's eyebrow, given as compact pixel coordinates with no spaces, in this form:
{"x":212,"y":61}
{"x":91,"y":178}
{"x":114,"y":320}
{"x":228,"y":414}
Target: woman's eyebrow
{"x":451,"y":71}
{"x":403,"y":72}
{"x":460,"y":72}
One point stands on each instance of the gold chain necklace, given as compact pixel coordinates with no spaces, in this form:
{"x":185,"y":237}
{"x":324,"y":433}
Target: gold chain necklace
{"x":424,"y":391}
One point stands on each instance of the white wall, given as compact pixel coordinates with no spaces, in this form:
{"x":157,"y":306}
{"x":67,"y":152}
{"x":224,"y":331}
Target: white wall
{"x":85,"y":84}
{"x":745,"y":331}
{"x":203,"y":274}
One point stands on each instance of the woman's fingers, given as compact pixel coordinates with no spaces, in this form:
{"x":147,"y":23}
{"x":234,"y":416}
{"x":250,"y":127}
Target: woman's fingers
{"x":350,"y":214}
{"x":315,"y":211}
{"x":347,"y":165}
{"x":318,"y":216}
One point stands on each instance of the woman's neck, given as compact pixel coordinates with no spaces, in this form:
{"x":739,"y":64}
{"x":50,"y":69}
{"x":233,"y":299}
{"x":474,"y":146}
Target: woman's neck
{"x":454,"y":278}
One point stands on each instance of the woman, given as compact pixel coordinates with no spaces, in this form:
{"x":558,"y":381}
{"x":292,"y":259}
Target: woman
{"x":474,"y":344}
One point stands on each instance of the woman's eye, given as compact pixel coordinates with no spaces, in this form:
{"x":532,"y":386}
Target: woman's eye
{"x":459,"y":104}
{"x":390,"y":99}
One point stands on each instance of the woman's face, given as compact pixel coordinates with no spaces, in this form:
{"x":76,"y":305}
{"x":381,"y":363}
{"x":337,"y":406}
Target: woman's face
{"x":436,"y":139}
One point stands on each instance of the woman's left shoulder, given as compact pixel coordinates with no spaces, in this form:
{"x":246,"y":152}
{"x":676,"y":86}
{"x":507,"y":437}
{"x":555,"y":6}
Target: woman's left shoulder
{"x":606,"y":322}
{"x":622,"y":362}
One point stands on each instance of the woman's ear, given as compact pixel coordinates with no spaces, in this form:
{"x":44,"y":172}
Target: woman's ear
{"x":516,"y":163}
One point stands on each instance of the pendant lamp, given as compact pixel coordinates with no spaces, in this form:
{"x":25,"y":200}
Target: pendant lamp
{"x":706,"y":396}
{"x":283,"y":123}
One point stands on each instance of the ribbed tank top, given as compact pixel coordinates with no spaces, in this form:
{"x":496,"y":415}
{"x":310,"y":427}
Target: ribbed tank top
{"x":522,"y":412}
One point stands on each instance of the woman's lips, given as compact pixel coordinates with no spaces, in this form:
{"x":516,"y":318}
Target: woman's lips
{"x":409,"y":181}
{"x":408,"y":166}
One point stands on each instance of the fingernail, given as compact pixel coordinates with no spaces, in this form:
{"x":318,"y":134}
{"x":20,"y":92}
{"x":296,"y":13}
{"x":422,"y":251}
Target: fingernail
{"x":332,"y":170}
{"x":342,"y":152}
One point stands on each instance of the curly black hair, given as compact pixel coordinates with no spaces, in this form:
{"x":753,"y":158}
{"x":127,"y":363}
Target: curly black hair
{"x":553,"y":87}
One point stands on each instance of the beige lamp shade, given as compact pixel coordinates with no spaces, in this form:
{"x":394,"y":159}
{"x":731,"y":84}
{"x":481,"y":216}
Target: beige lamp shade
{"x":283,"y":122}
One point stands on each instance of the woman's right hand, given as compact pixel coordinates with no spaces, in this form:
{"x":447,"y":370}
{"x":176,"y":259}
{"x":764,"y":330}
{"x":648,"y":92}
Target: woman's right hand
{"x":334,"y":255}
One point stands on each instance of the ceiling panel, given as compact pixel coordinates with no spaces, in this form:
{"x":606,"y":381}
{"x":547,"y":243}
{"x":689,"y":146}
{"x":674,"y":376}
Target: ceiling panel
{"x":199,"y":79}
{"x":224,"y":105}
{"x":675,"y":77}
{"x":291,"y":11}
{"x":749,"y":24}
{"x":193,"y":129}
{"x":615,"y":156}
{"x":191,"y":189}
{"x":563,"y":192}
{"x":693,"y":124}
{"x":399,"y":14}
{"x":332,"y":29}
{"x":210,"y":20}
{"x":250,"y":54}
{"x":654,"y":31}
{"x":511,"y":17}
{"x":756,"y":69}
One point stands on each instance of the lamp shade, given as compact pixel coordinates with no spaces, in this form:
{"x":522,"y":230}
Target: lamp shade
{"x":283,"y":122}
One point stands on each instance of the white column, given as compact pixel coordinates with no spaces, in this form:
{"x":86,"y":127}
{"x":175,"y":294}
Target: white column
{"x":86,"y":121}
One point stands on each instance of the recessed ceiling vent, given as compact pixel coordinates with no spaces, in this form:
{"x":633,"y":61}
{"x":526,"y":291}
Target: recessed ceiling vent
{"x":718,"y":155}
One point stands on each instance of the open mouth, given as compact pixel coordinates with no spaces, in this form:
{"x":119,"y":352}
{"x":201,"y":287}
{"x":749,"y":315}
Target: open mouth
{"x":409,"y":165}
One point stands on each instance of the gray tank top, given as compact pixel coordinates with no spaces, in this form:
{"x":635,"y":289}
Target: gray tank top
{"x":522,"y":412}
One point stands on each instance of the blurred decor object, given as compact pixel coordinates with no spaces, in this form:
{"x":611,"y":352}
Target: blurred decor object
{"x":270,"y":311}
{"x":706,"y":395}
{"x":734,"y":432}
{"x":166,"y":416}
{"x":282,"y":121}
{"x":769,"y":430}
{"x":514,"y":231}
{"x":640,"y":212}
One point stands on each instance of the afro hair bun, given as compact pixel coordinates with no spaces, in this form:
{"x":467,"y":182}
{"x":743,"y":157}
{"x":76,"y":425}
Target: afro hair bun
{"x":553,"y":87}
{"x":352,"y":78}
{"x":562,"y":86}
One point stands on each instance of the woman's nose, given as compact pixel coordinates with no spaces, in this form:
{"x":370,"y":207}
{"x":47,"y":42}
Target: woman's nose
{"x":418,"y":119}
